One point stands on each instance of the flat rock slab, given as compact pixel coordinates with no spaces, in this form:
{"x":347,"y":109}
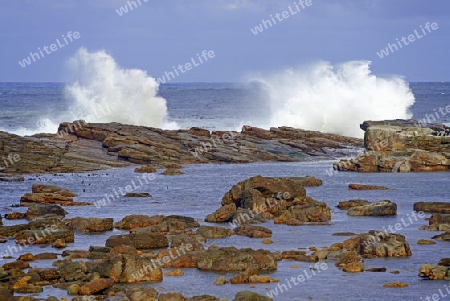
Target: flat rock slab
{"x":433,"y":207}
{"x":366,"y":187}
{"x":381,"y":208}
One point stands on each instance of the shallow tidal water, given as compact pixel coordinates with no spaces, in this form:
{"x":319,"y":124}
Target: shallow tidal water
{"x":199,"y":191}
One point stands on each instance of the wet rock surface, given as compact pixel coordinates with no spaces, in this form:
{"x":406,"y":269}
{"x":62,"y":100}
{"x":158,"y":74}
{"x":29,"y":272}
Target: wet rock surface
{"x":281,"y":198}
{"x":82,"y":146}
{"x":401,"y":146}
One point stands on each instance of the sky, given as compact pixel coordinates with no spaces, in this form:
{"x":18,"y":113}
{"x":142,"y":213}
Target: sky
{"x":157,"y":35}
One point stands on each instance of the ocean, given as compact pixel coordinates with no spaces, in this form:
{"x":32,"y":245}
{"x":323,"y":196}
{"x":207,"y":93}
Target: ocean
{"x":28,"y":108}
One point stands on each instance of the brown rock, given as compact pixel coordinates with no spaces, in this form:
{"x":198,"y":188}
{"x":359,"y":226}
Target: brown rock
{"x":381,"y":208}
{"x":18,"y":264}
{"x":133,"y":221}
{"x":220,"y":280}
{"x":444,"y":262}
{"x":9,"y":178}
{"x":138,"y":195}
{"x":253,"y":231}
{"x":366,"y":187}
{"x":432,"y":272}
{"x":36,"y":188}
{"x":204,"y":298}
{"x":438,"y":222}
{"x":92,"y":224}
{"x":81,"y":146}
{"x":172,"y":172}
{"x":59,"y":243}
{"x":354,"y":267}
{"x":298,"y":256}
{"x":232,"y":259}
{"x":44,"y":211}
{"x":223,"y":214}
{"x":305,"y":210}
{"x":145,"y":169}
{"x":149,"y":241}
{"x":44,"y":236}
{"x":250,"y":296}
{"x":42,"y":256}
{"x":209,"y":232}
{"x":396,"y":284}
{"x":142,"y":294}
{"x":401,"y":146}
{"x":352,"y":203}
{"x":425,"y":242}
{"x":127,"y":269}
{"x":171,"y":297}
{"x":96,"y":285}
{"x":15,"y":215}
{"x":177,"y":272}
{"x":6,"y":296}
{"x":31,"y":289}
{"x":27,"y":257}
{"x":378,"y":244}
{"x":443,"y":236}
{"x":433,"y":207}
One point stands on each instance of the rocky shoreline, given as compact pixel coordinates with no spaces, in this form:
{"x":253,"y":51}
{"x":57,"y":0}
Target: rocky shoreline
{"x":150,"y":244}
{"x":176,"y":243}
{"x":401,"y":146}
{"x":81,"y":146}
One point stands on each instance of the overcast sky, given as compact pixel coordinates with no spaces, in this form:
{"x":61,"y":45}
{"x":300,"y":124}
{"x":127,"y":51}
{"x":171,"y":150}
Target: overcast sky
{"x":162,"y":33}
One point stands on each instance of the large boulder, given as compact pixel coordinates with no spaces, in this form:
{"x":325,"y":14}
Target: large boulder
{"x":270,"y":187}
{"x":284,"y":198}
{"x":401,"y":146}
{"x":378,"y":244}
{"x":381,"y":208}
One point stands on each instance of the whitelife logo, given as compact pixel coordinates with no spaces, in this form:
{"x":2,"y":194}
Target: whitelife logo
{"x":266,"y":24}
{"x":391,"y":48}
{"x":34,"y":56}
